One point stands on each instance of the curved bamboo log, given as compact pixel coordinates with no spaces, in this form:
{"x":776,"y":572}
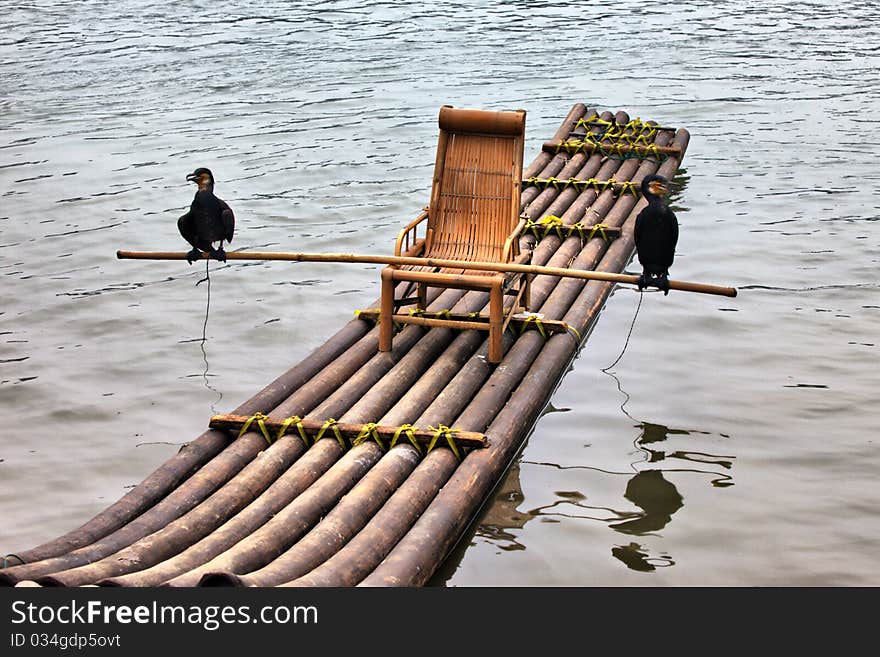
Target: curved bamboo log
{"x":191,"y":456}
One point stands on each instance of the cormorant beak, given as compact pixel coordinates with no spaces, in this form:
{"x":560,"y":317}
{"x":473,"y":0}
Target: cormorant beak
{"x":658,"y":188}
{"x":192,"y":177}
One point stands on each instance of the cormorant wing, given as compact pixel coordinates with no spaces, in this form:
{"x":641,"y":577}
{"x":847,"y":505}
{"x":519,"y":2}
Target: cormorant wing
{"x":186,"y":228}
{"x":673,"y":234}
{"x":640,"y":220}
{"x":228,"y":219}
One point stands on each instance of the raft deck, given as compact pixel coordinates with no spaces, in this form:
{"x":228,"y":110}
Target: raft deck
{"x":354,"y":468}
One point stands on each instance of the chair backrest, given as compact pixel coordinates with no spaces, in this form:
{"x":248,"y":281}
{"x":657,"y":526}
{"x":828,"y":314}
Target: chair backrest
{"x":475,"y":197}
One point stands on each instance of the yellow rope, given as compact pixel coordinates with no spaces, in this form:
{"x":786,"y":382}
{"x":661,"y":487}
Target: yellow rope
{"x":367,"y":432}
{"x":600,"y":228}
{"x":534,"y":319}
{"x":331,"y":424}
{"x":551,"y":222}
{"x":295,"y":420}
{"x":407,"y":430}
{"x":260,"y":419}
{"x":446,"y":432}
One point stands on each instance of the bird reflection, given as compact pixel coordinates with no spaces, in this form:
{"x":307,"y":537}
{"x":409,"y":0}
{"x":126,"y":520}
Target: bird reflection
{"x":654,"y":498}
{"x":636,"y":559}
{"x":504,"y":515}
{"x":658,"y":499}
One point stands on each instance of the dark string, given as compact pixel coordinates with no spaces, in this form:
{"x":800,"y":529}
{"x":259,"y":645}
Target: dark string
{"x":605,"y":369}
{"x":205,"y":337}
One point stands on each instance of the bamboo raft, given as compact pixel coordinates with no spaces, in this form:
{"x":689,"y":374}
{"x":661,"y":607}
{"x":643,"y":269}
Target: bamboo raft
{"x":279,"y":493}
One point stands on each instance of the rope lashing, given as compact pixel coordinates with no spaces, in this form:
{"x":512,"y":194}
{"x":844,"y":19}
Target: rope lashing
{"x":368,"y":432}
{"x":536,"y":320}
{"x":331,"y":424}
{"x":634,"y":131}
{"x":618,"y":149}
{"x":442,"y":431}
{"x":407,"y":430}
{"x":599,"y":228}
{"x":296,"y":421}
{"x":540,"y":229}
{"x":260,"y":419}
{"x":546,"y":224}
{"x":575,"y":332}
{"x":617,"y":186}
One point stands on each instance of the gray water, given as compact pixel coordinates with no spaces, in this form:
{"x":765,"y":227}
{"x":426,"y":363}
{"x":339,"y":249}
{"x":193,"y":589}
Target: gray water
{"x":736,"y":441}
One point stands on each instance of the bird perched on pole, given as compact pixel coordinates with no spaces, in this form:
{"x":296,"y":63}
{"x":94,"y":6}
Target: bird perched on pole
{"x":656,"y":234}
{"x":209,"y":219}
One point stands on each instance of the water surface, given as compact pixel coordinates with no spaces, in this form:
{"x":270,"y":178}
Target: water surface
{"x":735,"y":443}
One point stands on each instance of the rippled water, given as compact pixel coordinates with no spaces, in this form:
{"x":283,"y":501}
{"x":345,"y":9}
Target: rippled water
{"x":735,"y":443}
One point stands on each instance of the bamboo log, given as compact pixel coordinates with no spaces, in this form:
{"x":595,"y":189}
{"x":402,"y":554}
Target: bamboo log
{"x":544,"y":159}
{"x":189,"y":459}
{"x":683,"y":286}
{"x":177,"y":567}
{"x":365,"y":551}
{"x":182,"y":532}
{"x":292,"y":483}
{"x":368,"y":547}
{"x":418,"y":554}
{"x":274,"y":546}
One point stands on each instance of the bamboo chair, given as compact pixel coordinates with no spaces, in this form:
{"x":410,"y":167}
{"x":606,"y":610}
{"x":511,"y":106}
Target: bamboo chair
{"x":473,"y":215}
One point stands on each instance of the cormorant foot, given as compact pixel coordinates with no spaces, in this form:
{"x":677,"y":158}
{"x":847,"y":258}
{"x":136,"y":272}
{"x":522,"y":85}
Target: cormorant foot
{"x":219,"y":254}
{"x":193,"y":255}
{"x":643,"y":281}
{"x":663,"y":283}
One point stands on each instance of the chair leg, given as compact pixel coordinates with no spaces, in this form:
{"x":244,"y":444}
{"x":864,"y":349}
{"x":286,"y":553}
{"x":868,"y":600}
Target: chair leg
{"x":386,"y":310}
{"x":496,"y":322}
{"x":526,"y":300}
{"x":422,"y":302}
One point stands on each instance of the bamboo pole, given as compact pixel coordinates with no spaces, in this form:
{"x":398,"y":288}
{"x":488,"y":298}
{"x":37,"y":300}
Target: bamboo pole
{"x":683,"y":286}
{"x":610,"y":147}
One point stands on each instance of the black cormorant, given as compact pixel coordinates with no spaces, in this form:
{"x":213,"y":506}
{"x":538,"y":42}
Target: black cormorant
{"x":656,"y":234}
{"x":209,"y":219}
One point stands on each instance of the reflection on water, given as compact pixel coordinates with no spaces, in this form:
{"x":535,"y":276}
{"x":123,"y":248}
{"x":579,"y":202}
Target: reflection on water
{"x":635,"y":558}
{"x":651,"y":490}
{"x":657,"y":498}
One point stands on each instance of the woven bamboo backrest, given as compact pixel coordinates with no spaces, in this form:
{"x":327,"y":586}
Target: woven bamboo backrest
{"x":475,"y":196}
